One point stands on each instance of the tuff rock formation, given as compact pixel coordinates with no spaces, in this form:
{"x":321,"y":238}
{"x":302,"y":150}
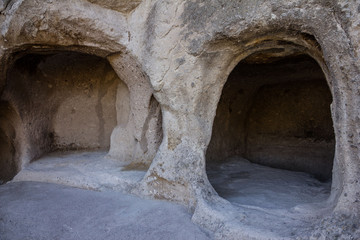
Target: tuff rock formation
{"x":144,"y":79}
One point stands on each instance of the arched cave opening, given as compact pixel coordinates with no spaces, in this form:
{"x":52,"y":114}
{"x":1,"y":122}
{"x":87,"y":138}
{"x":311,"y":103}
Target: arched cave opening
{"x":273,"y":140}
{"x":67,"y":101}
{"x":73,"y":106}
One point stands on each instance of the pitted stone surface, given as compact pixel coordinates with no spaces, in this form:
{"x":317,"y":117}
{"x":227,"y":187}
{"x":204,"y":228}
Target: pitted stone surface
{"x":174,"y":58}
{"x":124,"y":6}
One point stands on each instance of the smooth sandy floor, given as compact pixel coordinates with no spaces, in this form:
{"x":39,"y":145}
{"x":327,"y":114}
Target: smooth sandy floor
{"x":270,"y":203}
{"x":83,"y":169}
{"x":245,"y":183}
{"x":266,"y":201}
{"x":44,"y":211}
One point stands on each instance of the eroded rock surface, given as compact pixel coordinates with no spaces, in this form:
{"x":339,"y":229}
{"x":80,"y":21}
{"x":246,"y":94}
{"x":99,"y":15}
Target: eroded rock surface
{"x":124,"y":6}
{"x":173,"y":59}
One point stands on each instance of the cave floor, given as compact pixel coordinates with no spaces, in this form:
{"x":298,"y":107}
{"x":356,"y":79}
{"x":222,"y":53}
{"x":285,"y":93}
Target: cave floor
{"x":35,"y":211}
{"x":247,"y":184}
{"x":87,"y":170}
{"x":268,"y":203}
{"x":239,"y":181}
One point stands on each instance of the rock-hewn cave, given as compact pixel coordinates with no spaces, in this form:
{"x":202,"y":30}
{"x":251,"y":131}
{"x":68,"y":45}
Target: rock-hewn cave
{"x":246,"y":112}
{"x":9,"y":131}
{"x":67,"y":100}
{"x":76,"y":112}
{"x":274,"y":112}
{"x":58,"y":101}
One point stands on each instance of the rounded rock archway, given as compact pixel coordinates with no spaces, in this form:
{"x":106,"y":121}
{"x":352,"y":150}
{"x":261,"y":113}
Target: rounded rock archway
{"x":258,"y":114}
{"x":274,"y":111}
{"x":188,"y":49}
{"x":74,"y":106}
{"x":66,"y":100}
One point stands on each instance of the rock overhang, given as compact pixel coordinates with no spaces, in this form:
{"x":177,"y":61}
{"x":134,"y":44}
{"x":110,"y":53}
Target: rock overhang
{"x":210,"y":38}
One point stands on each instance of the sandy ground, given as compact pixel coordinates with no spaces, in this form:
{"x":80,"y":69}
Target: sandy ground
{"x":88,"y":170}
{"x":268,"y":203}
{"x":245,"y":183}
{"x":37,"y":211}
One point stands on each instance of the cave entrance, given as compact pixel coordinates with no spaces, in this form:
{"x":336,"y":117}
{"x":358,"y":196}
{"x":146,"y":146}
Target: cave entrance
{"x":273,"y":139}
{"x":9,"y":121}
{"x":69,"y":103}
{"x":67,"y":100}
{"x":74,"y":109}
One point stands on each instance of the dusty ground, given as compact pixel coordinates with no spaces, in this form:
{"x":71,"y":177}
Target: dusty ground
{"x":278,"y":204}
{"x":88,"y":170}
{"x":35,"y":211}
{"x":245,"y":183}
{"x":270,"y":203}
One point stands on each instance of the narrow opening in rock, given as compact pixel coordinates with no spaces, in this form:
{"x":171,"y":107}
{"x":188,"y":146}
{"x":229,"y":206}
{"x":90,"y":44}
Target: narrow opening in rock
{"x":8,"y":161}
{"x":273,"y":139}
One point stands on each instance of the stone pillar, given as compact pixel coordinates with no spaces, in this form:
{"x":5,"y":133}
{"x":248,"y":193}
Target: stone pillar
{"x":188,"y":97}
{"x":138,"y":137}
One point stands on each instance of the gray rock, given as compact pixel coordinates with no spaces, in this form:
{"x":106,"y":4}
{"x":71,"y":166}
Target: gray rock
{"x":173,"y":59}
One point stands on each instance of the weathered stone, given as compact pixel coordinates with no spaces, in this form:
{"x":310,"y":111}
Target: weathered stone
{"x":3,"y":4}
{"x":124,"y":6}
{"x":173,"y":59}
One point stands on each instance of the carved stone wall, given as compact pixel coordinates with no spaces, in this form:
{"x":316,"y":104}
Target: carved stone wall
{"x":175,"y":58}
